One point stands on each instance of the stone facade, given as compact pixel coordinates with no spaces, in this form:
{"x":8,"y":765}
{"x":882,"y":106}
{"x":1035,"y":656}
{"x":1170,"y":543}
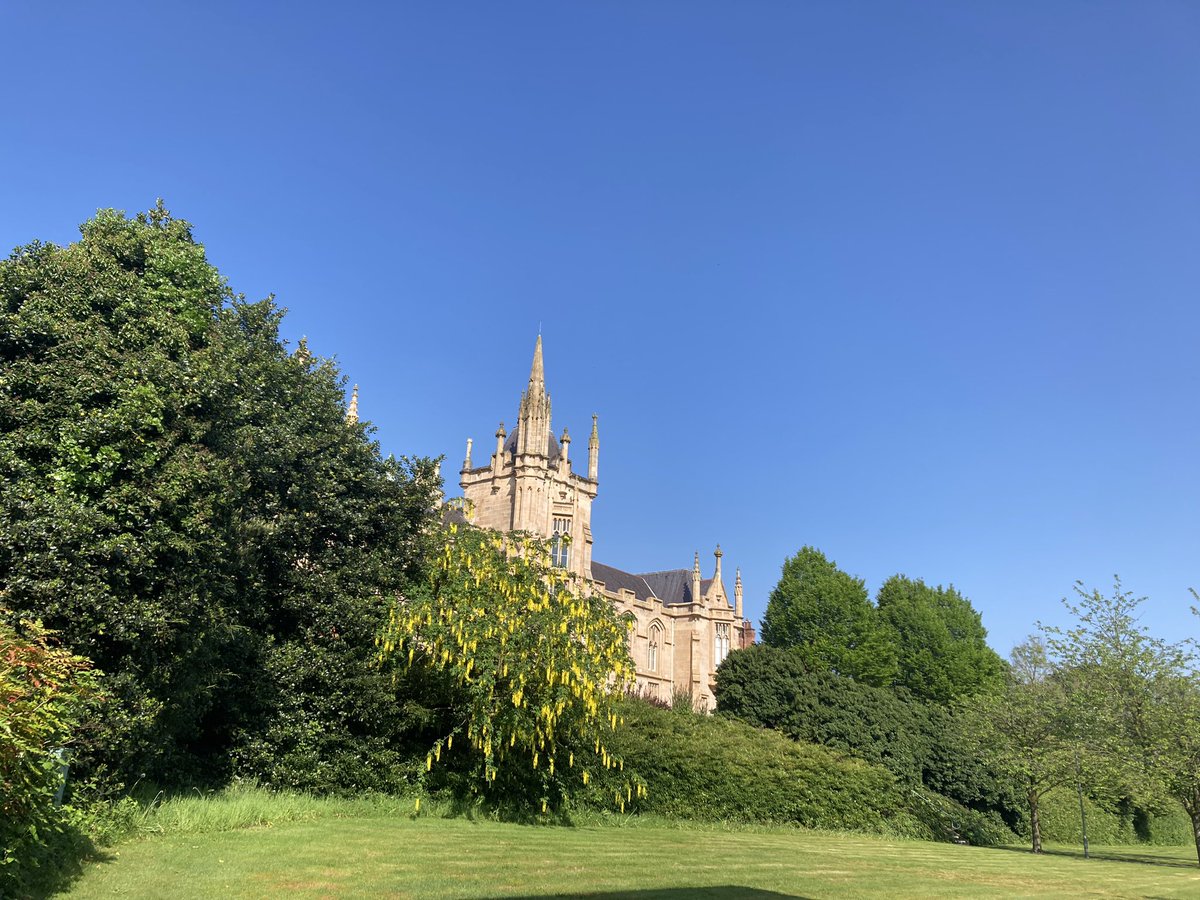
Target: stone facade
{"x":686,"y":624}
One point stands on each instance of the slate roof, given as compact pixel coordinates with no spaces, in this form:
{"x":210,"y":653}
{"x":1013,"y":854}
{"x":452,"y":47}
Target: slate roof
{"x":673,"y":587}
{"x":553,"y":451}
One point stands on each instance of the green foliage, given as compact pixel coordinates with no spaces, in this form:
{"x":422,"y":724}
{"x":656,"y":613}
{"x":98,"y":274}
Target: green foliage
{"x":940,"y":641}
{"x":1134,"y":701}
{"x":537,"y":661}
{"x":771,"y":688}
{"x":1108,"y":822}
{"x":917,"y":742}
{"x":708,"y":767}
{"x":44,"y":692}
{"x":1024,"y":731}
{"x":827,"y":617}
{"x":182,"y":499}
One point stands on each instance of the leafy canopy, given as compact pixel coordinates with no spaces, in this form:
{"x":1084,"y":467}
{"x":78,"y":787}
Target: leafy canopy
{"x":826,"y":615}
{"x":182,"y":499}
{"x":939,"y":639}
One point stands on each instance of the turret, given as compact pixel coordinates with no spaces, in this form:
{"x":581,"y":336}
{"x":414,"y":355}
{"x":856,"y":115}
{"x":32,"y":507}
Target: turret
{"x":594,"y":450}
{"x":737,"y":595}
{"x":498,"y":459}
{"x":564,"y":462}
{"x":696,"y":598}
{"x":352,"y":409}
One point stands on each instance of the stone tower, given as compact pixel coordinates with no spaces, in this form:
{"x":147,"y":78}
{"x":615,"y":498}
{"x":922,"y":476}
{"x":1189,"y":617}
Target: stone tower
{"x":528,"y":485}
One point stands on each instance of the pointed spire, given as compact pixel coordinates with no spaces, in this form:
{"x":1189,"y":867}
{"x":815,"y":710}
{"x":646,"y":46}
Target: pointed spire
{"x":537,"y":372}
{"x":594,"y":449}
{"x":718,"y":554}
{"x":352,"y":409}
{"x":696,"y":598}
{"x":737,"y":595}
{"x":533,"y":417}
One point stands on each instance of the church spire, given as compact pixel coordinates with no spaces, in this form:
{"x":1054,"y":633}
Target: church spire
{"x":537,"y":372}
{"x":533,"y":418}
{"x":352,"y":409}
{"x":737,"y":595}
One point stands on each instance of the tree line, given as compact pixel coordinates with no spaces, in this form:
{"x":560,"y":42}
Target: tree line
{"x":1102,"y":708}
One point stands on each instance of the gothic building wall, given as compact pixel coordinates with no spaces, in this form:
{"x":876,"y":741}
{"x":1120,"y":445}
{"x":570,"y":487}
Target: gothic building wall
{"x":685,"y":624}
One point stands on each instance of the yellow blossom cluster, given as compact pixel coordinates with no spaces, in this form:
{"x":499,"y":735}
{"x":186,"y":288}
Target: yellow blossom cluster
{"x":539,"y":657}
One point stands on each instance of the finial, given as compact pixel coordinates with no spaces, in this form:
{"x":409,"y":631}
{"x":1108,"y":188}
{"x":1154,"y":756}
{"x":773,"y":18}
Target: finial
{"x":566,"y":437}
{"x":738,"y":580}
{"x":352,"y":409}
{"x":696,"y":563}
{"x":718,"y":554}
{"x":467,"y":461}
{"x":302,"y":353}
{"x":500,"y":432}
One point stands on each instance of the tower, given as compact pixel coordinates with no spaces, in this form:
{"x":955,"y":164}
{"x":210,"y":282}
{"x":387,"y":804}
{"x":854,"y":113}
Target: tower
{"x":528,"y":484}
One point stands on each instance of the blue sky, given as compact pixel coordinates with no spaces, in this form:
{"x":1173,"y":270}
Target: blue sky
{"x":911,"y":283}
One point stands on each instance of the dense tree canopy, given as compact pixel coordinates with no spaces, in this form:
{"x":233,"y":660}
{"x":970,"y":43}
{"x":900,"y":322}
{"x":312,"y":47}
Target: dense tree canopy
{"x":183,"y":500}
{"x":939,"y":639}
{"x":827,"y":617}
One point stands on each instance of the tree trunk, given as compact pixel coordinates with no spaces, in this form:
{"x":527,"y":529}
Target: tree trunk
{"x":1035,"y":824}
{"x":1193,"y":811}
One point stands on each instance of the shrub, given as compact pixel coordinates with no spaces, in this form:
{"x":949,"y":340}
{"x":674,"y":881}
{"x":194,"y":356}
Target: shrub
{"x":710,"y":768}
{"x":43,"y":693}
{"x":1117,"y":823}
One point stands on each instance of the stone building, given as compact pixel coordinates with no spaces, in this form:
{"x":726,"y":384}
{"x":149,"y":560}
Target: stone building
{"x":686,"y":624}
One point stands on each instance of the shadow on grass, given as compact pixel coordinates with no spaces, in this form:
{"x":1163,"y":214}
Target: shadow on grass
{"x":719,"y":892}
{"x":1146,"y":859}
{"x":54,"y":868}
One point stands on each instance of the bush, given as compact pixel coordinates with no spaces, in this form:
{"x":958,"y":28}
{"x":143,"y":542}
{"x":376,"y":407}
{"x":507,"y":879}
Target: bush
{"x":44,"y":691}
{"x":709,"y":768}
{"x":919,"y":743}
{"x":1119,"y":823}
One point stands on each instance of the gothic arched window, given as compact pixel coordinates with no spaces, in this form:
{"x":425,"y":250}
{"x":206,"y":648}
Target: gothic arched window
{"x":655,"y":643}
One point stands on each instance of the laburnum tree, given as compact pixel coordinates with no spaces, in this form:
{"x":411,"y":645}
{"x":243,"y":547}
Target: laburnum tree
{"x":827,"y":617}
{"x":183,"y":500}
{"x":538,"y":662}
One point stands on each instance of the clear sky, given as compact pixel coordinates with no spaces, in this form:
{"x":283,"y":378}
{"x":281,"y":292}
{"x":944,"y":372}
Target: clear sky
{"x":915,"y":283}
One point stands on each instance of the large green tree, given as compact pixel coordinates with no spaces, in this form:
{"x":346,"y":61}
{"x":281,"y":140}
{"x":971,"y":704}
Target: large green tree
{"x":182,"y":499}
{"x":940,"y":641}
{"x":827,"y":617}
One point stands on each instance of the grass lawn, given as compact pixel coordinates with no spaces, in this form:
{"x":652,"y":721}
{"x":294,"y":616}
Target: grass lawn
{"x":395,"y":856}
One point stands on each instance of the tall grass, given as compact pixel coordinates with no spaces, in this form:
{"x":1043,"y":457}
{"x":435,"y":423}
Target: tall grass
{"x":247,"y":805}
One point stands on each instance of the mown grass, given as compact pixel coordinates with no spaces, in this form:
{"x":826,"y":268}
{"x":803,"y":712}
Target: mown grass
{"x":236,"y":845}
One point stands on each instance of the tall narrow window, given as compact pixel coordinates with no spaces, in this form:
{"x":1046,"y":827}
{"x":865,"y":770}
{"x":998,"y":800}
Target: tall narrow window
{"x":655,"y":642}
{"x":722,"y":642}
{"x":560,"y":544}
